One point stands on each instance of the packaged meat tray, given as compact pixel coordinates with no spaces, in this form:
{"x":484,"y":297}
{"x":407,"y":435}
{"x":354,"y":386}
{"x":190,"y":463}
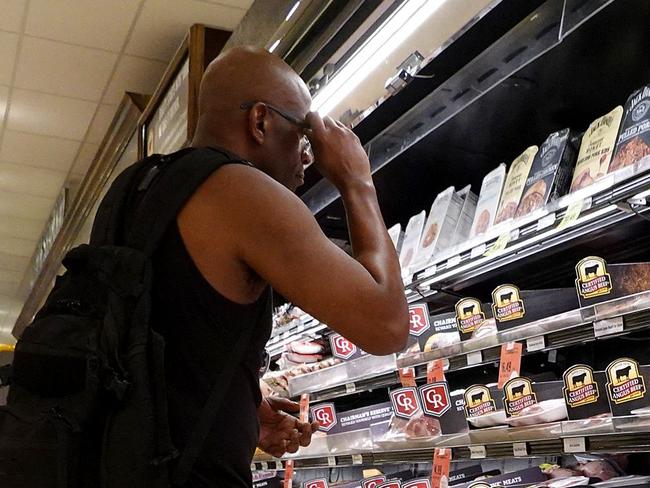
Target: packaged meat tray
{"x":633,"y":145}
{"x":514,"y":185}
{"x":439,"y":229}
{"x":550,"y":174}
{"x":395,"y":233}
{"x":411,"y":243}
{"x":596,"y":149}
{"x":464,"y":225}
{"x":488,"y":201}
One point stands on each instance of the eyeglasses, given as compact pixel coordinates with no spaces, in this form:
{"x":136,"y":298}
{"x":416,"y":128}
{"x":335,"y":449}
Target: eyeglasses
{"x":302,"y":124}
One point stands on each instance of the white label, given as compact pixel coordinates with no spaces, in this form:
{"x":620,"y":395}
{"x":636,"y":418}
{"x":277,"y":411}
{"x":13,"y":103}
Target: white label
{"x":552,"y":356}
{"x":350,"y":388}
{"x":520,"y":449}
{"x":608,"y":326}
{"x":301,"y":327}
{"x":429,"y":272}
{"x":265,"y":466}
{"x":514,"y":234}
{"x":546,"y":222}
{"x":331,"y":461}
{"x":575,"y":444}
{"x":253,"y":467}
{"x":475,"y":357}
{"x":455,"y":261}
{"x":357,"y":459}
{"x":535,"y":344}
{"x":477,"y":452}
{"x":478,"y":251}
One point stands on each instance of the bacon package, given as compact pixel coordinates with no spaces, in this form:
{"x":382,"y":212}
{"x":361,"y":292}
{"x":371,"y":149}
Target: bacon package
{"x":550,"y":174}
{"x":411,"y":243}
{"x":633,"y":145}
{"x":488,"y":201}
{"x":514,"y":185}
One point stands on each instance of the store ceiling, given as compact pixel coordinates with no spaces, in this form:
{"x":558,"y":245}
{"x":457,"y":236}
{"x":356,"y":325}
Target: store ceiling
{"x":64,"y":67}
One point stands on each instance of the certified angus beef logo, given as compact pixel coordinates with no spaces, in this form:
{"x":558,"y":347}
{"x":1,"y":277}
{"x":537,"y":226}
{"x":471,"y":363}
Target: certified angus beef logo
{"x":593,"y":280}
{"x":423,"y":483}
{"x":519,"y":394}
{"x":373,"y":482}
{"x":478,"y":401}
{"x":435,"y":399}
{"x":341,"y":347}
{"x":418,"y":319}
{"x":469,"y":315}
{"x":325,"y":414}
{"x":624,"y":381}
{"x":507,"y":303}
{"x":640,"y":110}
{"x":580,"y":388}
{"x":319,"y":483}
{"x":405,"y":402}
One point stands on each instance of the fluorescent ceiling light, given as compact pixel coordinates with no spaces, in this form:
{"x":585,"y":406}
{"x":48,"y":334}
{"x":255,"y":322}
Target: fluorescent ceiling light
{"x":390,"y":35}
{"x":274,"y":45}
{"x":293,"y":10}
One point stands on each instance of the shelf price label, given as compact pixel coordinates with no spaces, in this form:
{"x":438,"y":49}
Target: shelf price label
{"x":350,"y":388}
{"x":288,"y":474}
{"x":573,"y":211}
{"x":475,"y":357}
{"x":499,"y":245}
{"x":477,"y":452}
{"x":357,"y":459}
{"x":520,"y":449}
{"x":331,"y":461}
{"x":535,"y":343}
{"x":575,"y":445}
{"x":440,"y":468}
{"x":510,"y":363}
{"x":607,"y":327}
{"x":546,"y":222}
{"x":435,"y":371}
{"x":454,"y":261}
{"x":265,"y":465}
{"x":407,"y":377}
{"x":478,"y":251}
{"x":304,"y":407}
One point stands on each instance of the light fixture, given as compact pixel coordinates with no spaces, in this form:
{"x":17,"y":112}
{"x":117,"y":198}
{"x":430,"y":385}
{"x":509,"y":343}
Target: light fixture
{"x":388,"y":37}
{"x":293,"y":10}
{"x":274,"y":45}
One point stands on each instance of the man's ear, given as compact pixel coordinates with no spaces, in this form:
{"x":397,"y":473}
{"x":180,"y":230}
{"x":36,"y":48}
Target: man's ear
{"x":258,"y":121}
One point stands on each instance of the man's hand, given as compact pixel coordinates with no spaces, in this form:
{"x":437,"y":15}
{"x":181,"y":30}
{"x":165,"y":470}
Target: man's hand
{"x":280,"y":432}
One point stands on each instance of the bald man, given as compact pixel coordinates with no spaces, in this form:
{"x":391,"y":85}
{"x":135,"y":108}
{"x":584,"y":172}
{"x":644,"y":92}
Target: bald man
{"x":243,"y":232}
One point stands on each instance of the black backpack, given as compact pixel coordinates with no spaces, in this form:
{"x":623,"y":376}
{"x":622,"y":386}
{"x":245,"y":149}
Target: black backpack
{"x":87,"y":404}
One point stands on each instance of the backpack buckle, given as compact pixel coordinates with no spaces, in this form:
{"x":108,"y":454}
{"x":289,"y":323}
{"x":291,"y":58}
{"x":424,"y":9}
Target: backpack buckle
{"x":160,"y":460}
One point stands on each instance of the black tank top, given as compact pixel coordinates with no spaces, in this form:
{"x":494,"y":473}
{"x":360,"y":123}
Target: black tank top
{"x":200,"y":327}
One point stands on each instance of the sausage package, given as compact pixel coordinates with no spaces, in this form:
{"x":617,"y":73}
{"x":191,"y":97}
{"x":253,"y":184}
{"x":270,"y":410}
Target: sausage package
{"x":550,"y":174}
{"x":514,"y":185}
{"x":411,"y":242}
{"x":596,"y":149}
{"x":439,"y":229}
{"x":633,"y":145}
{"x":488,"y":201}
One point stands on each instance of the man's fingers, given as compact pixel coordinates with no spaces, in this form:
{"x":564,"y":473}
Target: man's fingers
{"x":315,"y":122}
{"x":283,"y":404}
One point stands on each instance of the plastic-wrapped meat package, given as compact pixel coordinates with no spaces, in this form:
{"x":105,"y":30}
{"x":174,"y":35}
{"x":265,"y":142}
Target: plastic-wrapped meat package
{"x":418,"y":427}
{"x":602,"y":470}
{"x":564,"y":482}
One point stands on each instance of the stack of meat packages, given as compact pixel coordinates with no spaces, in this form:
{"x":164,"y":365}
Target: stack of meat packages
{"x":303,"y":352}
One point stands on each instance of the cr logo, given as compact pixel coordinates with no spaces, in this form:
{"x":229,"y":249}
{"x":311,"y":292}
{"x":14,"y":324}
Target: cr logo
{"x":435,"y":399}
{"x":325,"y":414}
{"x":342,"y":348}
{"x":373,"y":482}
{"x":319,"y":483}
{"x":418,"y":319}
{"x":405,"y":402}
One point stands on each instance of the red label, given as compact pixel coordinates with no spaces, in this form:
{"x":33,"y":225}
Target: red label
{"x":407,"y":376}
{"x":435,"y":399}
{"x":418,"y":319}
{"x":405,"y":402}
{"x":304,"y":407}
{"x":342,"y":348}
{"x":417,"y":484}
{"x":373,"y":482}
{"x":391,"y":484}
{"x":510,"y":364}
{"x":435,"y":371}
{"x":325,"y":414}
{"x":288,"y":473}
{"x":319,"y":483}
{"x":440,"y":468}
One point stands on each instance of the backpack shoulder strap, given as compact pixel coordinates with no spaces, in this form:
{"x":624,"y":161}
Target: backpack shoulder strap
{"x":167,"y":187}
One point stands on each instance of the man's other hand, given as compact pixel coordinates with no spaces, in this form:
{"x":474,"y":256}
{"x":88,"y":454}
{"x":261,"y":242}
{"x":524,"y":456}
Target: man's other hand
{"x":280,"y":432}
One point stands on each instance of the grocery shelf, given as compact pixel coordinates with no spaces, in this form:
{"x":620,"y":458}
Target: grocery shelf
{"x":566,"y":329}
{"x":536,"y":441}
{"x":543,"y":231}
{"x":535,"y":35}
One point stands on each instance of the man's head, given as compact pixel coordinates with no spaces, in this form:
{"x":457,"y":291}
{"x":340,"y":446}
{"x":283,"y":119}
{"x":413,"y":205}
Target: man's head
{"x":251,"y":102}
